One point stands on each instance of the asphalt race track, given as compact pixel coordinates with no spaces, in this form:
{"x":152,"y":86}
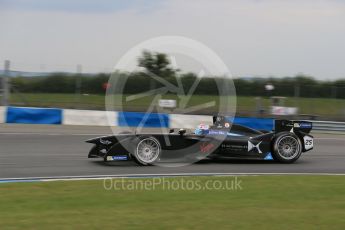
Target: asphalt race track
{"x":55,"y":151}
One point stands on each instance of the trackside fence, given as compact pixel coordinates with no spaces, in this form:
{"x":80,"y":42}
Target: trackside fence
{"x":27,"y":115}
{"x":329,"y":126}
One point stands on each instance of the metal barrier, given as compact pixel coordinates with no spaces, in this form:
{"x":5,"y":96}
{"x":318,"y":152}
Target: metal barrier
{"x":328,"y":126}
{"x":85,"y":117}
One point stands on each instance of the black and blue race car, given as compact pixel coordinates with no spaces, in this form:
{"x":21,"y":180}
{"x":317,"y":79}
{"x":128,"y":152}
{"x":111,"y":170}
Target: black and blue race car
{"x":222,"y":140}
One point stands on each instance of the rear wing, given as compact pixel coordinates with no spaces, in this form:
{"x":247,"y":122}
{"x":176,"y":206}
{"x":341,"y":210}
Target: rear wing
{"x":286,"y":125}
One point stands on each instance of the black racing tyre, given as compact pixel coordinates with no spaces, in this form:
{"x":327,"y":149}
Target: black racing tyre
{"x":287,"y":147}
{"x":147,"y":150}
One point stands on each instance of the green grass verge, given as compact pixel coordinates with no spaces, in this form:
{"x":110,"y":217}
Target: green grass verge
{"x":318,"y":106}
{"x":264,"y":202}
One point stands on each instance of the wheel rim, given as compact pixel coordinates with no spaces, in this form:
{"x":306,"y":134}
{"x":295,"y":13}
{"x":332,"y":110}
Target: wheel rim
{"x":148,"y":150}
{"x":288,"y":147}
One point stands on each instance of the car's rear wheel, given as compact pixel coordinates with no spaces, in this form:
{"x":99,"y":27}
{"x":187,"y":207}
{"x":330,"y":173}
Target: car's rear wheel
{"x":287,"y":148}
{"x":147,"y":151}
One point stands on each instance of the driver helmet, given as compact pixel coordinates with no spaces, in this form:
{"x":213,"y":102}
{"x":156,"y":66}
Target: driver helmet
{"x":202,"y":129}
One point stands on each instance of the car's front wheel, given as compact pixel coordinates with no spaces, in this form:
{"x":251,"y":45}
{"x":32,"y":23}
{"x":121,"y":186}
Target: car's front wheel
{"x":147,"y":151}
{"x":287,"y":147}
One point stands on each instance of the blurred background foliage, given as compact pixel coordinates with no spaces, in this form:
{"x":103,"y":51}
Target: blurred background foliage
{"x":87,"y":91}
{"x":301,"y":86}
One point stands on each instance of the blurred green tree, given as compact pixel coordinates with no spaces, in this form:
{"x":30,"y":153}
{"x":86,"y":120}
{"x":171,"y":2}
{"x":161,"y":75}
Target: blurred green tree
{"x":156,"y":63}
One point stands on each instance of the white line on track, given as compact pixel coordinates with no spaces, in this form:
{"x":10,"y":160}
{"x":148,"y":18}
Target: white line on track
{"x":102,"y":177}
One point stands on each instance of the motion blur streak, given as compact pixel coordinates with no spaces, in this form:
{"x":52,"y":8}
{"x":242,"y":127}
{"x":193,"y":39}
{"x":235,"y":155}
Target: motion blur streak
{"x":29,"y":155}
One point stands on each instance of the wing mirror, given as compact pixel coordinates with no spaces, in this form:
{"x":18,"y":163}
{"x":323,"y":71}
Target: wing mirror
{"x":182,"y":132}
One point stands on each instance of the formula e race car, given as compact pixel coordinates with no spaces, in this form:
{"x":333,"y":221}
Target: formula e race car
{"x":221,"y":140}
